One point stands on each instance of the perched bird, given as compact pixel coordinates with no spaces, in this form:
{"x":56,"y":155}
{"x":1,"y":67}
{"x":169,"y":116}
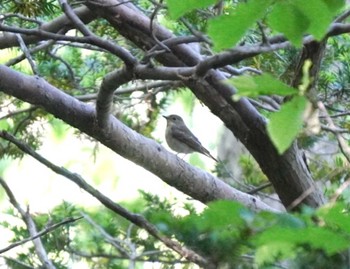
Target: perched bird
{"x":181,"y":139}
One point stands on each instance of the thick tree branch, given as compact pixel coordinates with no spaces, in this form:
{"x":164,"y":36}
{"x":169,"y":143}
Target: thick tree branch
{"x":124,"y":141}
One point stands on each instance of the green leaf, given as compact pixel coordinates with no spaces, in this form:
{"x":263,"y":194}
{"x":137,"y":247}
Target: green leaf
{"x":322,"y":238}
{"x":335,"y":216}
{"x":252,"y":86}
{"x":334,"y":6}
{"x":227,"y":30}
{"x":215,"y":215}
{"x":316,"y":237}
{"x":316,"y":9}
{"x":289,"y":20}
{"x":5,"y":124}
{"x":178,"y":8}
{"x":296,"y":18}
{"x":284,"y":125}
{"x":270,"y":252}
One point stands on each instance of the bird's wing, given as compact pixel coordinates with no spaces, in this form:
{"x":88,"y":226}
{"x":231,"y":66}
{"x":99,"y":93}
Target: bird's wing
{"x":185,"y":136}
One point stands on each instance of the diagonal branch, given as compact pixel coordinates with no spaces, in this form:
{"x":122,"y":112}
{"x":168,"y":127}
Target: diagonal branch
{"x":38,"y":245}
{"x":27,"y":54}
{"x":74,"y":18}
{"x":137,"y":219}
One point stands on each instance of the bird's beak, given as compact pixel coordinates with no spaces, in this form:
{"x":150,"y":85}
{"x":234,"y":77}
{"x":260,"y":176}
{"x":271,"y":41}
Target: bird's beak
{"x":166,"y":117}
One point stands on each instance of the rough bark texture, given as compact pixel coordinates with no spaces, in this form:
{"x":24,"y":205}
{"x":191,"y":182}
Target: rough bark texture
{"x":288,"y":173}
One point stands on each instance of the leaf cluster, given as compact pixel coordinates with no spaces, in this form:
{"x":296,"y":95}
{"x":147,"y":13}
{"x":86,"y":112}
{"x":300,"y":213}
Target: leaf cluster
{"x":31,"y":9}
{"x":226,"y":231}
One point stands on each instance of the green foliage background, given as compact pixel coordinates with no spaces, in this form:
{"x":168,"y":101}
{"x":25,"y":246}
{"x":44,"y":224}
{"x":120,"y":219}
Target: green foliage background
{"x":225,"y":232}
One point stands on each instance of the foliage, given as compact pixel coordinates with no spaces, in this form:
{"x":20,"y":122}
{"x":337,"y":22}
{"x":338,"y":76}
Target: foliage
{"x":225,"y":231}
{"x":31,"y":8}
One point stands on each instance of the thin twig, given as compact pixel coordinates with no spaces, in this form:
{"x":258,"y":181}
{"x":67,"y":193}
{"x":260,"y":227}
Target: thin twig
{"x":19,"y":16}
{"x":154,"y":29}
{"x":264,"y":39}
{"x":21,"y":57}
{"x":27,"y":54}
{"x":20,"y":111}
{"x":301,"y":198}
{"x":343,"y":145}
{"x":343,"y":16}
{"x":196,"y":33}
{"x":115,"y":242}
{"x":339,"y":191}
{"x":263,"y":186}
{"x":166,"y":84}
{"x":18,"y":262}
{"x":66,"y":64}
{"x":334,"y":130}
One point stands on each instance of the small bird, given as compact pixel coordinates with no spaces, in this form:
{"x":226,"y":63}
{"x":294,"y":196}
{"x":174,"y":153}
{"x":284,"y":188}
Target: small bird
{"x":181,"y":139}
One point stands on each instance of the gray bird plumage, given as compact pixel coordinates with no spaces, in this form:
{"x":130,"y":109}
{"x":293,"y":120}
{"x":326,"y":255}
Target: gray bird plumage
{"x":181,"y":139}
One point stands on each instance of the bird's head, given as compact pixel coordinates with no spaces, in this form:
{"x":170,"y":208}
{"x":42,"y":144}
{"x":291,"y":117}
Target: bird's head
{"x":174,"y":119}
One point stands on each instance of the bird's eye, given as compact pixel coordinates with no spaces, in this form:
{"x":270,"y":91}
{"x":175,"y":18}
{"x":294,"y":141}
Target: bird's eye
{"x":174,"y":119}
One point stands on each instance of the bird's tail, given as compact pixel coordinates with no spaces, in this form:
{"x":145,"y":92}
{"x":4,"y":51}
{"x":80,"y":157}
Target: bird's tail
{"x":207,"y":153}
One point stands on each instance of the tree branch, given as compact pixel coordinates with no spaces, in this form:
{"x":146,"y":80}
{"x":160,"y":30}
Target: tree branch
{"x":124,"y":141}
{"x":143,"y":87}
{"x":76,"y":21}
{"x":110,"y":83}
